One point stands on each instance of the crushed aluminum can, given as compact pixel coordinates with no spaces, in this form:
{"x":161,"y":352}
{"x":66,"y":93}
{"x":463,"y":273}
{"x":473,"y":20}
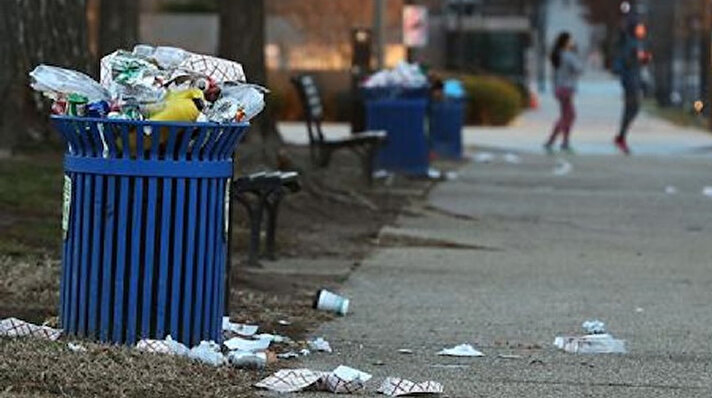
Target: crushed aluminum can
{"x":77,"y":105}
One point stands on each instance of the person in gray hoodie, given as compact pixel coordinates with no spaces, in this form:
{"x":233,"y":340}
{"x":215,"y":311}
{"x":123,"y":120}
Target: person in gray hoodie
{"x":567,"y":69}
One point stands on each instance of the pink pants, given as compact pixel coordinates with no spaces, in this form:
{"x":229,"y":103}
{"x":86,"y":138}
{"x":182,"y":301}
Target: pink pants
{"x":568,"y":115}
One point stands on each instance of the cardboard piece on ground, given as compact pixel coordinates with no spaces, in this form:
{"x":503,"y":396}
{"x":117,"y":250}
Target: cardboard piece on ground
{"x":13,"y":327}
{"x":396,"y":387}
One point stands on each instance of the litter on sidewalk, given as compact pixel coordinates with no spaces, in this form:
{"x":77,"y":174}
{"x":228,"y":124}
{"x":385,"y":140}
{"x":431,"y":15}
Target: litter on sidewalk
{"x":512,"y":158}
{"x":238,"y":328}
{"x":247,"y":360}
{"x":596,"y":341}
{"x":331,"y":302}
{"x":405,"y":351}
{"x":341,"y":380}
{"x":483,"y":157}
{"x":13,"y":327}
{"x":396,"y":387}
{"x":562,"y":168}
{"x":294,"y":354}
{"x":462,"y":350}
{"x":670,"y":190}
{"x":319,"y":344}
{"x":240,"y":344}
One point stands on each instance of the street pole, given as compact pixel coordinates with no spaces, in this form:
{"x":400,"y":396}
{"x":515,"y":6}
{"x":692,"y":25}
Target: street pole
{"x":379,"y":10}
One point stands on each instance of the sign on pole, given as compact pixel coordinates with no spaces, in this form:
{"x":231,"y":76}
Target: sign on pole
{"x":415,"y":26}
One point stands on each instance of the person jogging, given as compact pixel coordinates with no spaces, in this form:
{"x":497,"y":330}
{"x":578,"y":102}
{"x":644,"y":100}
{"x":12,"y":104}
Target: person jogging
{"x":567,"y":69}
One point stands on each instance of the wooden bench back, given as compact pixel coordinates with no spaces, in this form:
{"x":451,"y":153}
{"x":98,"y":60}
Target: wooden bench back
{"x":312,"y":106}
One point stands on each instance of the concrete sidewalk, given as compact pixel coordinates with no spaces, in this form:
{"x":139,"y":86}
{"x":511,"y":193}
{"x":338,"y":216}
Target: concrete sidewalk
{"x":602,"y":242}
{"x":547,"y":253}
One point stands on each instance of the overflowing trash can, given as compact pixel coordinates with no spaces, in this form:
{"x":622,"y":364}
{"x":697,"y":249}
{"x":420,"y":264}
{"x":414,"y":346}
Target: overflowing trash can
{"x":396,"y":101}
{"x":145,"y":228}
{"x":445,"y":127}
{"x":406,"y":149}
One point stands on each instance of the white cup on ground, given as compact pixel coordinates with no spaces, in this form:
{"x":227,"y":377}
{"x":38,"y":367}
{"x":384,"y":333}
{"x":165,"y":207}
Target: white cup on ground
{"x":332,"y":302}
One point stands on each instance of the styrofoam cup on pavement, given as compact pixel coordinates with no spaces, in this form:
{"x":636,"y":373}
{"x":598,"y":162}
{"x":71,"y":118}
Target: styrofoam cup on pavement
{"x":332,"y":302}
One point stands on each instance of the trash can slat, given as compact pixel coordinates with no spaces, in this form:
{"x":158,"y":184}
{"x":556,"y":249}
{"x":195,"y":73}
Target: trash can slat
{"x":84,"y":268}
{"x":108,"y":268}
{"x":136,"y":237}
{"x":190,"y":262}
{"x":95,"y":267}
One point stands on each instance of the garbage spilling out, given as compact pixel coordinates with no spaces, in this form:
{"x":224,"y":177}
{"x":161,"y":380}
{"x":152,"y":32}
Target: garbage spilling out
{"x":238,"y":343}
{"x":154,"y":83}
{"x":331,"y":302}
{"x":395,"y":387}
{"x":403,"y":75}
{"x":596,"y":341}
{"x":319,"y":344}
{"x":341,"y":380}
{"x":167,"y":346}
{"x":462,"y":350}
{"x":247,"y":359}
{"x":670,"y":190}
{"x":238,"y":328}
{"x":294,"y":354}
{"x":207,"y":352}
{"x":76,"y":347}
{"x":562,"y":168}
{"x":13,"y":327}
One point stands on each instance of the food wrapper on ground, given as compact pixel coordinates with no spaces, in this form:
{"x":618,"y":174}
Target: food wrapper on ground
{"x":344,"y":380}
{"x":247,"y":360}
{"x":13,"y":327}
{"x":319,"y":344}
{"x":55,"y":82}
{"x":462,"y":350}
{"x":207,"y":352}
{"x":290,"y":380}
{"x":240,"y":344}
{"x":590,"y":344}
{"x":341,"y":380}
{"x":396,"y":387}
{"x":238,"y":328}
{"x":167,"y":346}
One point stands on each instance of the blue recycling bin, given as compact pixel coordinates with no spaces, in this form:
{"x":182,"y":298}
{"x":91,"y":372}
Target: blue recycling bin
{"x":401,"y":113}
{"x":445,"y":128}
{"x":145,"y":228}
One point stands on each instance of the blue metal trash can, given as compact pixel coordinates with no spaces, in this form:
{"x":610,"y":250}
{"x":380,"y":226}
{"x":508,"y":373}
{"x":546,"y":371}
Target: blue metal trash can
{"x":403,"y":118}
{"x":446,"y":119}
{"x":145,"y":228}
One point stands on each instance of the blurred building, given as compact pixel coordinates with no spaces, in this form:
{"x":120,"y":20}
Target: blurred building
{"x":503,"y":37}
{"x":681,"y":56}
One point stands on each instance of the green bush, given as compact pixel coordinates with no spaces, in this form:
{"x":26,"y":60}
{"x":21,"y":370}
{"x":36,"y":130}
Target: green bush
{"x":491,"y":100}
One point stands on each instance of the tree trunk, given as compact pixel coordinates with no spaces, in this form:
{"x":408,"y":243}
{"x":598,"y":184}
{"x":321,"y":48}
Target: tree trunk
{"x":118,"y":25}
{"x":242,"y":39}
{"x":34,"y":32}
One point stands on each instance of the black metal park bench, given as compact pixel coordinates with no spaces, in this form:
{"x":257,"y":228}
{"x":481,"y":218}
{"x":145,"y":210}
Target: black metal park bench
{"x":364,"y":144}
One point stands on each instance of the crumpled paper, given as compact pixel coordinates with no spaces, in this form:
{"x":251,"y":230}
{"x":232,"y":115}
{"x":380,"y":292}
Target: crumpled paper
{"x":247,"y":359}
{"x":344,"y":380}
{"x":207,"y":352}
{"x":238,"y":328}
{"x":341,"y":380}
{"x":167,"y":346}
{"x":13,"y":327}
{"x":238,"y":343}
{"x":590,"y":344}
{"x":319,"y":344}
{"x":396,"y":387}
{"x":462,"y":350}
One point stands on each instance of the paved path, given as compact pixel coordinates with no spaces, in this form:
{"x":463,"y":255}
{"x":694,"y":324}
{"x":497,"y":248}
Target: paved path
{"x":604,"y":241}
